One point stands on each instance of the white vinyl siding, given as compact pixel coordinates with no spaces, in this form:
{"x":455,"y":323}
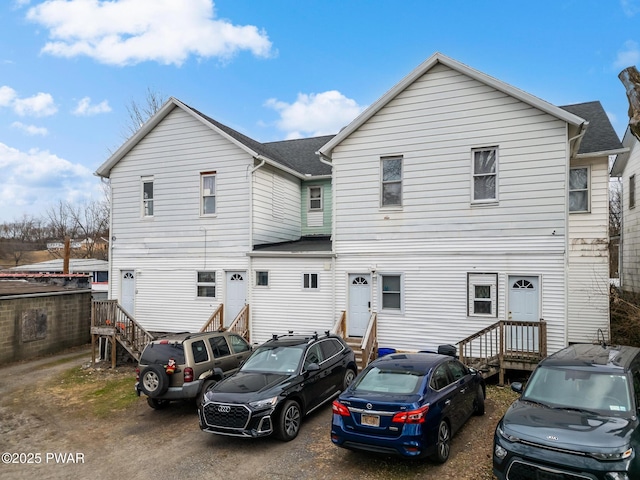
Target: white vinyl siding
{"x":630,"y":259}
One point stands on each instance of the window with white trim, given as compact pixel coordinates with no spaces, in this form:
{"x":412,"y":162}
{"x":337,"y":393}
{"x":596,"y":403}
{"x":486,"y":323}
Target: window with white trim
{"x":208,"y":193}
{"x":206,"y":284}
{"x":262,"y":278}
{"x":391,"y":184}
{"x":485,"y":174}
{"x":315,"y":198}
{"x":482,"y":294}
{"x":579,"y":189}
{"x":310,"y":281}
{"x":391,"y":286}
{"x":147,"y":196}
{"x":632,"y":191}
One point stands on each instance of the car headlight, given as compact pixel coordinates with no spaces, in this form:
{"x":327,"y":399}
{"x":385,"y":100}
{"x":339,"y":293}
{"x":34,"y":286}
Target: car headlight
{"x":266,"y":403}
{"x":505,"y":435}
{"x":612,"y":457}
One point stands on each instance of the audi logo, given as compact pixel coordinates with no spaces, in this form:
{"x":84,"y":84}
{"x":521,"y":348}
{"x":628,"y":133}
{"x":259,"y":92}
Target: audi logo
{"x":224,"y":408}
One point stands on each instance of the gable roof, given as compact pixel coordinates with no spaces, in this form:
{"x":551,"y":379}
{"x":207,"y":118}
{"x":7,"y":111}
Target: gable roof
{"x":427,"y":65}
{"x":629,"y":141}
{"x":294,"y":156}
{"x":600,"y":137}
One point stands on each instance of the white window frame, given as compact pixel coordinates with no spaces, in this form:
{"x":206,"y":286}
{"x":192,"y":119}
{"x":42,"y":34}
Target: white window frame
{"x":482,"y":280}
{"x":382,"y":292}
{"x":587,"y":189}
{"x":146,"y":202}
{"x":632,"y":191}
{"x":307,"y":281}
{"x":204,"y":283}
{"x":384,"y":182}
{"x":474,"y":175}
{"x":206,"y":193}
{"x":257,"y":276}
{"x":319,"y":199}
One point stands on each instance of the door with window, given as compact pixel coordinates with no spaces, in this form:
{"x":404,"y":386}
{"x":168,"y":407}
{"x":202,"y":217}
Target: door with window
{"x":524,"y":305}
{"x":128,"y":291}
{"x":359,"y":304}
{"x":236,"y":294}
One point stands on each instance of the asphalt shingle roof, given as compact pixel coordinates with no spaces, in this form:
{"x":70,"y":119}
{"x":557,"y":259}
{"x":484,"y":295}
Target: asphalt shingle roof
{"x":600,"y":135}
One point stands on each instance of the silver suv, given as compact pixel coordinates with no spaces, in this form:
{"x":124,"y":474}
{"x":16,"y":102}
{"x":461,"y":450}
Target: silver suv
{"x":185,"y":366}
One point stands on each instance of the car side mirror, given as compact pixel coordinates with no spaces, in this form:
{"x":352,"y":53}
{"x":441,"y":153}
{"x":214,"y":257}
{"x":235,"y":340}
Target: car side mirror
{"x":313,"y":367}
{"x":516,"y":387}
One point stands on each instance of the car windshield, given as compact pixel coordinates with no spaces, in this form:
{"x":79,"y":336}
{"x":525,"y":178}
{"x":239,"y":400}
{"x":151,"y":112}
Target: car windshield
{"x":580,"y":389}
{"x":399,"y":382}
{"x":275,"y":359}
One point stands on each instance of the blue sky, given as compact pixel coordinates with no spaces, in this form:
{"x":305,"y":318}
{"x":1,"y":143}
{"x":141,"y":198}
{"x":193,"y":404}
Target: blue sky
{"x":272,"y":69}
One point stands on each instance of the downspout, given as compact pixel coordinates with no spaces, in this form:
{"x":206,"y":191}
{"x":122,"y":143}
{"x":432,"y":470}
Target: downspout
{"x":112,"y":237}
{"x":327,"y":161}
{"x":577,"y":139}
{"x":250,"y":266}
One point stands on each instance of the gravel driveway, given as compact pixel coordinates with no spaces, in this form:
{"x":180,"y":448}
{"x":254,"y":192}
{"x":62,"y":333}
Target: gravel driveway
{"x":45,"y":440}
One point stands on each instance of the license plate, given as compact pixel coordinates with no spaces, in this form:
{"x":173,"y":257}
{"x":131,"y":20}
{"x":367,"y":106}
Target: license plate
{"x":370,"y":420}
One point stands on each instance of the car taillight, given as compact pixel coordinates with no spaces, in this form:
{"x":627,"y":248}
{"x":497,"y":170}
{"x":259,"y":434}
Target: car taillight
{"x":188,"y":374}
{"x":340,"y":409}
{"x":137,"y":374}
{"x":413,"y":416}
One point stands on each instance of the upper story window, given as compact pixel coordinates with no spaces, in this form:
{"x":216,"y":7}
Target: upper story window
{"x":208,"y":191}
{"x":206,"y":284}
{"x":391,"y":187}
{"x":485,"y":175}
{"x":147,"y":196}
{"x":579,"y":189}
{"x":632,"y":191}
{"x":315,"y":198}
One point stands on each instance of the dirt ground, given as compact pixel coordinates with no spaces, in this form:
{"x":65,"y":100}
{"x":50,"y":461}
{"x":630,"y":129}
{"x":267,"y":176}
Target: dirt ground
{"x":47,"y":436}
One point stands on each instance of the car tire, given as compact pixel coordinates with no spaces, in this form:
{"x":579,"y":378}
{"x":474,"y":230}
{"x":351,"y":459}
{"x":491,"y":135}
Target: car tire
{"x":157,"y":404}
{"x":154,"y":381}
{"x":478,"y":404}
{"x":289,"y":421}
{"x":349,"y":375}
{"x":443,"y":443}
{"x":206,"y":386}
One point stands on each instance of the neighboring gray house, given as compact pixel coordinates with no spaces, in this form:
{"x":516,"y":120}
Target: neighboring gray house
{"x":627,"y":167}
{"x":452,"y":202}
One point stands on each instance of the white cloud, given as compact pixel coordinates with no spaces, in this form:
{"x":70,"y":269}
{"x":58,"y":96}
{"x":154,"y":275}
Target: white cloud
{"x":630,"y":7}
{"x":315,"y":114}
{"x":32,"y":181}
{"x":7,"y":96}
{"x":127,"y":32}
{"x":30,"y":129}
{"x":85,"y":109}
{"x":629,"y":56}
{"x":40,"y":105}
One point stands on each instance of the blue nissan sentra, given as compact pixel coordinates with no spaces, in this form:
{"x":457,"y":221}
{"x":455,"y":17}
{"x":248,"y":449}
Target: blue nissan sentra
{"x":408,"y":405}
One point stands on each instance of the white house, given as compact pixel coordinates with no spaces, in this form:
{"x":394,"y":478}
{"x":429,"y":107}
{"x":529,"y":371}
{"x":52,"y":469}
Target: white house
{"x":460,"y":200}
{"x":452,"y":202}
{"x":627,"y":167}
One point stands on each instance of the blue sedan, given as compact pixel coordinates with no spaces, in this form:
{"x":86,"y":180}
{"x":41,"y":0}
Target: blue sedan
{"x":408,"y":405}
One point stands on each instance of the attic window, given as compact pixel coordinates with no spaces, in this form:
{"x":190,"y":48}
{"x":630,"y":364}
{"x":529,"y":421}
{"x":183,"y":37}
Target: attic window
{"x":391,"y":185}
{"x":485,"y":175}
{"x":147,"y":196}
{"x":315,"y":198}
{"x":632,"y":191}
{"x":579,"y":189}
{"x":208,"y":191}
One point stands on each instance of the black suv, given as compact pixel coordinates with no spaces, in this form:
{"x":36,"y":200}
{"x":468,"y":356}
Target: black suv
{"x":576,"y":419}
{"x":183,"y":366}
{"x":282,"y":381}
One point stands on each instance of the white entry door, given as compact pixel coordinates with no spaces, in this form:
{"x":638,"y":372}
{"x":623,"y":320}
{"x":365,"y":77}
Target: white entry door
{"x":359,"y":304}
{"x":128,"y":291}
{"x":524,"y":305}
{"x":236,"y":295}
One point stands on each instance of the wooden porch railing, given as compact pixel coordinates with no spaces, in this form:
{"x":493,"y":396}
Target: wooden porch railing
{"x":240,"y":324}
{"x":507,"y":344}
{"x":109,"y":319}
{"x":215,"y":321}
{"x":340,"y":327}
{"x":370,"y":341}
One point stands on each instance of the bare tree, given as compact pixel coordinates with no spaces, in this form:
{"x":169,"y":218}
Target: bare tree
{"x":139,"y":113}
{"x":19,"y":238}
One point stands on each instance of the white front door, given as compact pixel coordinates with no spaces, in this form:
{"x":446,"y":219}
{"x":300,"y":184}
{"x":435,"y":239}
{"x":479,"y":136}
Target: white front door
{"x":359,"y":304}
{"x":236,"y":295}
{"x":128,"y":291}
{"x":524,"y":305}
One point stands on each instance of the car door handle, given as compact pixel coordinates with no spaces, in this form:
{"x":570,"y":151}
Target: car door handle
{"x":447,"y":403}
{"x":462,"y":390}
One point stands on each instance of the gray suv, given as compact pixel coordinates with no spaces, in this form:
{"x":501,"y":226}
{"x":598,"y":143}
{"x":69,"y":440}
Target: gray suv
{"x":183,"y":366}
